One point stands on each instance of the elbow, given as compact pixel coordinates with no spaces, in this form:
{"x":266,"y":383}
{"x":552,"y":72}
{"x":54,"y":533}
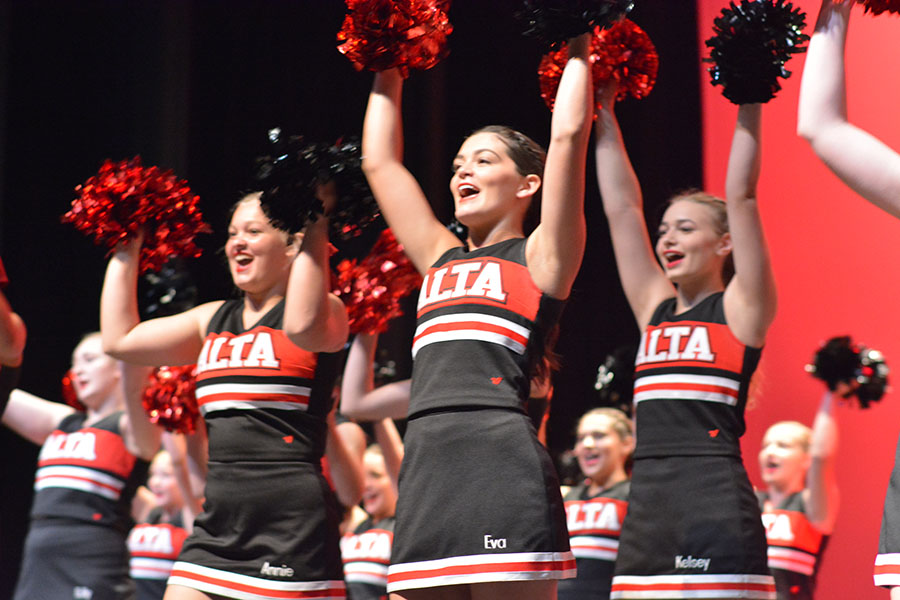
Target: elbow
{"x":806,"y":129}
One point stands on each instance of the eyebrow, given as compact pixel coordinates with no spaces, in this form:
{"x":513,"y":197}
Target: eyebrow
{"x":679,"y":221}
{"x":476,"y":152}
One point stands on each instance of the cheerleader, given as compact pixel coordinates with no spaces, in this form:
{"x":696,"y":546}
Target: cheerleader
{"x":488,"y":522}
{"x":89,"y":468}
{"x":264,"y":382}
{"x":596,"y":507}
{"x":800,"y":503}
{"x":693,"y":521}
{"x":872,"y":170}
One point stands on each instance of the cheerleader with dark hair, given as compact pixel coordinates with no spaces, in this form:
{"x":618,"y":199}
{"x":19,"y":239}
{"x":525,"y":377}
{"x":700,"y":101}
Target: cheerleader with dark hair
{"x":484,"y":312}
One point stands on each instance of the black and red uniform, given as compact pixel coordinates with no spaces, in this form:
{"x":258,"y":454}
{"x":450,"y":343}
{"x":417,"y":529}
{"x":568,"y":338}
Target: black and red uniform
{"x":795,"y":546}
{"x":85,"y":481}
{"x":154,"y":546}
{"x":479,"y":498}
{"x":367,"y":553}
{"x":270,"y":521}
{"x":887,"y":561}
{"x":594,"y":523}
{"x":693,"y":523}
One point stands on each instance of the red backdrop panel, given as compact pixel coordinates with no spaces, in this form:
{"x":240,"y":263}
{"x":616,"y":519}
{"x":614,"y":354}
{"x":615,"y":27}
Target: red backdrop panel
{"x":837,"y":263}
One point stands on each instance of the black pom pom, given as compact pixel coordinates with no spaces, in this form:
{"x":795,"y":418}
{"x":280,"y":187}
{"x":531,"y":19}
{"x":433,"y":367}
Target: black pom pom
{"x":752,"y":42}
{"x":615,"y":379}
{"x":355,"y":208}
{"x":170,"y":291}
{"x":553,"y":22}
{"x":863,"y":370}
{"x":287,"y":178}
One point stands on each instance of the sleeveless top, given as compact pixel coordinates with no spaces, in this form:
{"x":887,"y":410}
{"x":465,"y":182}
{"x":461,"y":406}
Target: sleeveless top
{"x":366,"y":554}
{"x":594,"y":524}
{"x":154,"y":546}
{"x":87,"y":474}
{"x":263,"y":398}
{"x":691,"y":380}
{"x":795,"y":546}
{"x":481,"y":324}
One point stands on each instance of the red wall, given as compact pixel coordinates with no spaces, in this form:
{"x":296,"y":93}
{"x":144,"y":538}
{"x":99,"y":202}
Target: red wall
{"x":837,"y":263}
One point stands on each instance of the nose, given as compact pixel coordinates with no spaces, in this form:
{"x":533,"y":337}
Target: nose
{"x":587,"y":441}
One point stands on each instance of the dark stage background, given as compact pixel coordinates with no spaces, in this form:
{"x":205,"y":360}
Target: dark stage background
{"x":193,"y":85}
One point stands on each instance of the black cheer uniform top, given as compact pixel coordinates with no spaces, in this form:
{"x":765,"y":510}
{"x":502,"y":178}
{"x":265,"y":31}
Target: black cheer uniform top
{"x":154,"y":546}
{"x":594,"y":523}
{"x":691,"y":380}
{"x":482,"y":319}
{"x":366,"y":554}
{"x":87,"y":474}
{"x":795,"y":546}
{"x":263,"y":398}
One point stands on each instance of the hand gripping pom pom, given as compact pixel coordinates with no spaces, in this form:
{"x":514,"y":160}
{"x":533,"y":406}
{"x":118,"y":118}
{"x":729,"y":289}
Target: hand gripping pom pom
{"x":372,"y":288}
{"x":552,"y":22}
{"x":170,"y":398}
{"x":68,"y":392}
{"x":405,"y":34}
{"x":863,"y":369}
{"x":287,"y":178}
{"x":623,"y":52}
{"x":124,"y":198}
{"x":752,"y":42}
{"x":355,"y":208}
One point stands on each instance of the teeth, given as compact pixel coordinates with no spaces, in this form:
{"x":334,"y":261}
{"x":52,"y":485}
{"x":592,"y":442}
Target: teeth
{"x":467,"y":190}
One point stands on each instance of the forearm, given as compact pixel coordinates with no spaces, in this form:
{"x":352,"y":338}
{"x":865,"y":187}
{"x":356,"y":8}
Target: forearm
{"x":620,"y":190}
{"x":357,"y":380}
{"x":346,"y":468}
{"x":382,"y":140}
{"x":388,"y":438}
{"x":821,"y":482}
{"x":118,"y":301}
{"x":823,"y":100}
{"x":745,"y":155}
{"x":12,"y":334}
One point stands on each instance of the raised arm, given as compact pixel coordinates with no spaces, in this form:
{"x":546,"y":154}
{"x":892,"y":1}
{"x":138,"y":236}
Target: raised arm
{"x":391,"y":444}
{"x":750,"y":296}
{"x":12,"y":335}
{"x":33,"y":418}
{"x":173,"y":340}
{"x":861,"y":160}
{"x":643,"y":281}
{"x":556,"y":247}
{"x":358,"y":400}
{"x":821,"y":494}
{"x":399,"y":195}
{"x":141,"y":436}
{"x":344,"y":449}
{"x":314,"y":319}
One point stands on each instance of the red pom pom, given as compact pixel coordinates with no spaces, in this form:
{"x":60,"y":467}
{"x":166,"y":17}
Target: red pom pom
{"x":169,"y":398}
{"x":384,"y":34}
{"x":876,"y":7}
{"x":124,"y":197}
{"x":372,"y":288}
{"x":623,"y":52}
{"x":68,"y":393}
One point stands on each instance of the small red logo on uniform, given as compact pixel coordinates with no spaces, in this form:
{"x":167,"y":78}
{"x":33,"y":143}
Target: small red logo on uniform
{"x":97,"y":516}
{"x":288,"y":439}
{"x":713,"y":433}
{"x":496,"y":380}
